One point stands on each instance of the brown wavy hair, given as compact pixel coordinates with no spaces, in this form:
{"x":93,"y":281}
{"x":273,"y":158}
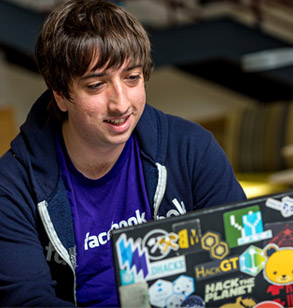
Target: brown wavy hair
{"x":80,"y":33}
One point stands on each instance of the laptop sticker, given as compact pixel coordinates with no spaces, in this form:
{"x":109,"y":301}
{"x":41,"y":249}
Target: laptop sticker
{"x":279,"y":266}
{"x":285,"y":206}
{"x":193,"y":301}
{"x":240,"y":302}
{"x":282,"y":233}
{"x":132,"y":259}
{"x":159,"y":292}
{"x":212,"y":241}
{"x":166,"y":267}
{"x":244,"y":226}
{"x":216,"y":268}
{"x":252,"y":261}
{"x":268,"y":304}
{"x":189,"y":235}
{"x":226,"y":289}
{"x":164,"y":293}
{"x":159,"y":243}
{"x":281,"y":294}
{"x":135,"y":295}
{"x":184,"y":285}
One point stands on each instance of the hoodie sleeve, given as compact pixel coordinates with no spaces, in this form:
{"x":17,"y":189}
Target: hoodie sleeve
{"x":214,"y":179}
{"x":198,"y":169}
{"x":25,"y":278}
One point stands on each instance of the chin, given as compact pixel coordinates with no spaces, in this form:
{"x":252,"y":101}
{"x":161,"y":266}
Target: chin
{"x":119,"y":140}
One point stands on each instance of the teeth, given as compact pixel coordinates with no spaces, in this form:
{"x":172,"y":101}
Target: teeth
{"x":117,"y":122}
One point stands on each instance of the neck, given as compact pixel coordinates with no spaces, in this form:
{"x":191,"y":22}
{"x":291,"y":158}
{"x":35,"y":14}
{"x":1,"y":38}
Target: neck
{"x":92,"y":161}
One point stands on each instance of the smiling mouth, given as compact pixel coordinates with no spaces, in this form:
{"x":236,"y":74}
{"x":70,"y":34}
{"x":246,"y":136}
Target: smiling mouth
{"x":117,"y":121}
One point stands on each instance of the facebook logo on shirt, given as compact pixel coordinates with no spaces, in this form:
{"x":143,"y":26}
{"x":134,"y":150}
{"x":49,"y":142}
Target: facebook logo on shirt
{"x":92,"y":241}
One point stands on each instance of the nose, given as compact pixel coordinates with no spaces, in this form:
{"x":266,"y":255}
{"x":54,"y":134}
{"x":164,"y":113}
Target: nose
{"x":118,"y":98}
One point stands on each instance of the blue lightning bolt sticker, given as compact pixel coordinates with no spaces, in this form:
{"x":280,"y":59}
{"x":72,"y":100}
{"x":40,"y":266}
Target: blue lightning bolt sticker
{"x":132,"y":259}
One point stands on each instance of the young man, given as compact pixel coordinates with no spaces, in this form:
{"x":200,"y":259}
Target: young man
{"x":93,"y":156}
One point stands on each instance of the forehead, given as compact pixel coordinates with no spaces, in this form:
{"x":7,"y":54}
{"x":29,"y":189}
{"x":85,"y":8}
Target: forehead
{"x":126,"y":65}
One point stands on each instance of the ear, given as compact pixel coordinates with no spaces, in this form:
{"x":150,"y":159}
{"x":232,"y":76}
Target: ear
{"x":60,"y":100}
{"x":270,"y":249}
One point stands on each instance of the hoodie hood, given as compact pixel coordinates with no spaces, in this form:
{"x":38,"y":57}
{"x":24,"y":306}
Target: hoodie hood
{"x":152,"y":131}
{"x":34,"y":147}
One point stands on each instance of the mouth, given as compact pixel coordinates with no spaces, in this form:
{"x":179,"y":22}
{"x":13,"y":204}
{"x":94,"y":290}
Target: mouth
{"x":285,"y":279}
{"x":117,"y":121}
{"x":119,"y":124}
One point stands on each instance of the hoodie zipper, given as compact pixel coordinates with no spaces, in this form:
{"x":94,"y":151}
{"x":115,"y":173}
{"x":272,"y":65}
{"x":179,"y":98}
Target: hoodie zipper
{"x":161,"y":188}
{"x":53,"y":237}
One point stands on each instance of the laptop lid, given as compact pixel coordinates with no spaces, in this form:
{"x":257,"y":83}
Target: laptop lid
{"x":235,"y":255}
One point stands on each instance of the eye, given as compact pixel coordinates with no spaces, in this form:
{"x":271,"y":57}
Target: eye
{"x":275,"y":273}
{"x":95,"y":86}
{"x":134,"y":78}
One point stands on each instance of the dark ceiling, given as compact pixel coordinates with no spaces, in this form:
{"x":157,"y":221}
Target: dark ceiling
{"x":209,"y":49}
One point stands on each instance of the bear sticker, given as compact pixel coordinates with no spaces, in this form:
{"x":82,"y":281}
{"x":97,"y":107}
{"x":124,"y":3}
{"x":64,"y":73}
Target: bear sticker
{"x":278,"y":269}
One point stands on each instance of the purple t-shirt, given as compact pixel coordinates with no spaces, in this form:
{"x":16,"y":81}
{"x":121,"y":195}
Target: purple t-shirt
{"x":116,"y":200}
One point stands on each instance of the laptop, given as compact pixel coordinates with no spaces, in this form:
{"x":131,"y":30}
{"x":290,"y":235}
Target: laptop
{"x":235,"y":255}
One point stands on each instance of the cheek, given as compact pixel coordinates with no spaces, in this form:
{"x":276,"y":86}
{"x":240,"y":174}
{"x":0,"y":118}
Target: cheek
{"x":140,"y":98}
{"x":140,"y":105}
{"x":87,"y":108}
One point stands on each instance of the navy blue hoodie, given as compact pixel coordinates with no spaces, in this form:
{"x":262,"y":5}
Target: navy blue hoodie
{"x":184,"y":169}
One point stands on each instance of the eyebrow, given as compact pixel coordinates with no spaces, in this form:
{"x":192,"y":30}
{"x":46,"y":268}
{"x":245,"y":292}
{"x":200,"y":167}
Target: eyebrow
{"x":104,"y":73}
